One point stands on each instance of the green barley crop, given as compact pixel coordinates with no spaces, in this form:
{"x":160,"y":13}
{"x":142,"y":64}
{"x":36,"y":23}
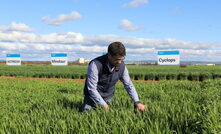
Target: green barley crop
{"x":53,"y":107}
{"x":192,"y":73}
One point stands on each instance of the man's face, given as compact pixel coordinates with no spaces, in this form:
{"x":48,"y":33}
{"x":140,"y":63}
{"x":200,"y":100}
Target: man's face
{"x":115,"y":60}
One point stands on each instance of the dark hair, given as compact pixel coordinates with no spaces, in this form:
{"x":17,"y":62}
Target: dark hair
{"x":116,"y":49}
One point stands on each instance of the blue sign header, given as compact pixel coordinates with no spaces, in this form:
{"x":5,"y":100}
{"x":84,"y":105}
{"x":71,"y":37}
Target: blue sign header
{"x":13,"y":55}
{"x":168,"y":53}
{"x":58,"y":55}
{"x":104,"y":53}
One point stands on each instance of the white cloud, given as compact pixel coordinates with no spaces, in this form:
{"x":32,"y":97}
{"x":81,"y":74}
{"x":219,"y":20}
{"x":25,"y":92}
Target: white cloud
{"x":140,"y":50}
{"x":62,"y":18}
{"x":12,"y":47}
{"x":90,"y":46}
{"x":200,"y":55}
{"x":135,"y":3}
{"x":39,"y":51}
{"x":62,"y":38}
{"x":128,"y":26}
{"x":102,"y":40}
{"x":16,"y":27}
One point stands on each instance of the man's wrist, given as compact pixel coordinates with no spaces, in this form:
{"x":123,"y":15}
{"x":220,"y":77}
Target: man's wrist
{"x":106,"y":106}
{"x":137,"y":102}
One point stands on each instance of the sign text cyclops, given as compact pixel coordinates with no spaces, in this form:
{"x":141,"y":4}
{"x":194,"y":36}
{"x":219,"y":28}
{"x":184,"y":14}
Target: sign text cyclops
{"x":167,"y":60}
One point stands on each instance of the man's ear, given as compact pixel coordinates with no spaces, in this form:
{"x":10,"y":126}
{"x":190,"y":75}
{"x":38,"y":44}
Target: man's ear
{"x":108,"y":55}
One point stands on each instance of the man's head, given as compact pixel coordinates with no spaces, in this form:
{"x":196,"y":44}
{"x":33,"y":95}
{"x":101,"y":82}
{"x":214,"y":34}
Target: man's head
{"x":116,"y":53}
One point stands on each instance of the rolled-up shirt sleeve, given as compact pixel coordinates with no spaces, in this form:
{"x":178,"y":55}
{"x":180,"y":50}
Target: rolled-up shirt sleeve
{"x":125,"y":79}
{"x":92,"y":80}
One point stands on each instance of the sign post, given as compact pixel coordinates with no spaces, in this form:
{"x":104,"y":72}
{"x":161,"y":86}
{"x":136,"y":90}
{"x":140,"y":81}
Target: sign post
{"x":168,"y":58}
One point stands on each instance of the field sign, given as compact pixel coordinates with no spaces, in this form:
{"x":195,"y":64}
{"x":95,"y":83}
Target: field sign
{"x":59,"y":59}
{"x":13,"y":59}
{"x":168,"y":58}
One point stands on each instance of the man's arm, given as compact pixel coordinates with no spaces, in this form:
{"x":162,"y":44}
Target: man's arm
{"x":129,"y":86}
{"x":92,"y":80}
{"x":131,"y":90}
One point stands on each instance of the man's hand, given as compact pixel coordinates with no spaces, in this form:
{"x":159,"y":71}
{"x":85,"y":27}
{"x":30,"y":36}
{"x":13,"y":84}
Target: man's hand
{"x":106,"y":107}
{"x":140,"y":107}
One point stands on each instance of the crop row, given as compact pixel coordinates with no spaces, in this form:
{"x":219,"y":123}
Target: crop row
{"x":176,"y":76}
{"x":192,"y":73}
{"x":150,"y":76}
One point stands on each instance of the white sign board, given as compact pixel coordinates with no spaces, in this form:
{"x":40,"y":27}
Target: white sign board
{"x":168,"y":58}
{"x":59,"y":59}
{"x":13,"y":59}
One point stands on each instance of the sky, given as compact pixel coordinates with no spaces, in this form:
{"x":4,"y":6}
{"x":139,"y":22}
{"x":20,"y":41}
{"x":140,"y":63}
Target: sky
{"x":85,"y":28}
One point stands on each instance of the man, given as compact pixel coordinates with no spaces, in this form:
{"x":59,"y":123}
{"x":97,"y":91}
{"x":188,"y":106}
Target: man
{"x":103,"y":73}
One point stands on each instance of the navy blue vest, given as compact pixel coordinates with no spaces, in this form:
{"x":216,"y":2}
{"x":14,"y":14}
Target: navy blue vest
{"x":106,"y":78}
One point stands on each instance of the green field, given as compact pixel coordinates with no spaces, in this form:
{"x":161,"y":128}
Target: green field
{"x":186,"y":100}
{"x":182,"y":107}
{"x":193,"y":73}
